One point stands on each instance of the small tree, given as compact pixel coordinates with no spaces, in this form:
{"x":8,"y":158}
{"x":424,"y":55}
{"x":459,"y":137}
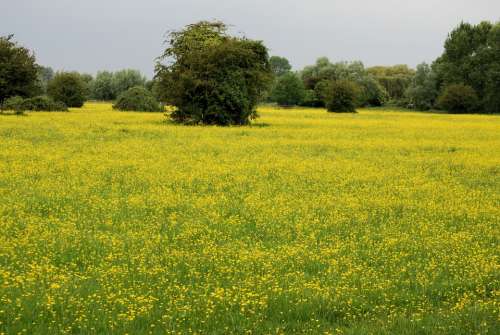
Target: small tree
{"x":137,"y":99}
{"x":458,"y":99}
{"x":289,"y":90}
{"x":18,"y":70}
{"x":211,"y":77}
{"x":342,"y":97}
{"x":69,"y":88}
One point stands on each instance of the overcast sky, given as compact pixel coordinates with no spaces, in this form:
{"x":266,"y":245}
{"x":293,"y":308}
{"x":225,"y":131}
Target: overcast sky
{"x":92,"y":35}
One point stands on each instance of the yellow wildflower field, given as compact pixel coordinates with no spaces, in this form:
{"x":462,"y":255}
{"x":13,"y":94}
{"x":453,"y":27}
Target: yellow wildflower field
{"x":303,"y":223}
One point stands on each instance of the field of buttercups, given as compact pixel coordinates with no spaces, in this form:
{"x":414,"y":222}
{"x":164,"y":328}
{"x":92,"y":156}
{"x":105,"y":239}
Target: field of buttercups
{"x":303,"y":223}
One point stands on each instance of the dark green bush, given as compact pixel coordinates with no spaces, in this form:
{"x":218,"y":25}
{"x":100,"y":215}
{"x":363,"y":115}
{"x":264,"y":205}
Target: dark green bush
{"x":14,"y":103}
{"x":459,"y":99}
{"x":342,"y":97}
{"x":39,"y":103}
{"x":68,"y":87}
{"x":137,"y":99}
{"x":44,"y":104}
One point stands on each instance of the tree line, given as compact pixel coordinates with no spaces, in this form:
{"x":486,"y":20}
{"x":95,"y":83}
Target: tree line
{"x":211,"y":77}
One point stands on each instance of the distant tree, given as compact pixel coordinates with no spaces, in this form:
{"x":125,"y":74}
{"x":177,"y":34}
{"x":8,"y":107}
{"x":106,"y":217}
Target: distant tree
{"x":372,"y":93}
{"x":211,"y":77}
{"x":102,"y":86}
{"x":88,"y":81}
{"x":18,"y":70}
{"x":394,"y":79}
{"x":342,"y":97}
{"x":315,"y":77}
{"x":126,"y":79}
{"x":69,"y":88}
{"x":472,"y":57}
{"x":423,"y":90}
{"x":137,"y":99}
{"x":45,"y":74}
{"x":279,"y":65}
{"x":288,"y":90}
{"x":458,"y":98}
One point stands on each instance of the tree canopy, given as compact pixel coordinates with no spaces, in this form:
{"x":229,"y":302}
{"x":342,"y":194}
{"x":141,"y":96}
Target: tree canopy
{"x":472,"y":57}
{"x":212,"y":77}
{"x":18,"y":70}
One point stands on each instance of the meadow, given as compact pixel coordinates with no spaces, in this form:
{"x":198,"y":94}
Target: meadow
{"x":303,"y":223}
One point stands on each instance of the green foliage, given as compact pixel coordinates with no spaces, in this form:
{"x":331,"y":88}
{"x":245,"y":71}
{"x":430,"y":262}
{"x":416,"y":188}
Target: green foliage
{"x":18,"y":70}
{"x":14,"y":103}
{"x":137,"y":99}
{"x":342,"y":97}
{"x":108,"y":86}
{"x":394,"y":79}
{"x":102,"y":87}
{"x":472,"y":57}
{"x":88,"y":82}
{"x":279,"y":65}
{"x":288,"y":90}
{"x":423,"y":91}
{"x":315,"y":77}
{"x":312,"y":100}
{"x":124,"y":80}
{"x":211,"y":77}
{"x":69,"y":88}
{"x":458,"y":98}
{"x":372,"y":93}
{"x":45,"y":75}
{"x":38,"y":103}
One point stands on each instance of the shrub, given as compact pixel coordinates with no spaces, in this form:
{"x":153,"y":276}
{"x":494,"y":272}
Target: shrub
{"x":311,"y":99}
{"x":289,"y":90}
{"x":68,"y":88}
{"x":39,"y":103}
{"x":458,"y":99}
{"x":45,"y":104}
{"x":342,"y":97}
{"x":213,"y":78}
{"x":137,"y":99}
{"x":14,"y":103}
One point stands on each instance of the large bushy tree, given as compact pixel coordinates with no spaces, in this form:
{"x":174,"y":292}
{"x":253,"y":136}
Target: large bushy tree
{"x":212,"y":77}
{"x":18,"y":70}
{"x":472,"y":57}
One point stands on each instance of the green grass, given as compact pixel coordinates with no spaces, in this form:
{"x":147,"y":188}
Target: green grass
{"x":305,"y":222}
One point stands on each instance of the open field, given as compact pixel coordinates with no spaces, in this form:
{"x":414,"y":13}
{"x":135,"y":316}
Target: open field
{"x":306,"y":222}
